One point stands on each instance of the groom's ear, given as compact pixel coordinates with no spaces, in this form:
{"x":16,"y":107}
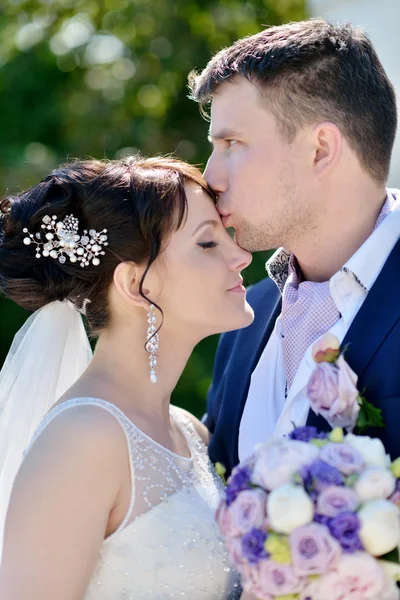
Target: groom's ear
{"x":127,"y":276}
{"x":327,"y":146}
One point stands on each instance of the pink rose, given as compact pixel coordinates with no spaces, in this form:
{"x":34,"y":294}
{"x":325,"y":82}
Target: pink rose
{"x":332,"y":392}
{"x":223,"y":519}
{"x":356,"y":577}
{"x":344,"y":457}
{"x":234,"y":548}
{"x":326,"y":349}
{"x":278,"y":579}
{"x":269,"y":579}
{"x":248,"y":510}
{"x":335,"y":499}
{"x":250,"y":581}
{"x":277,"y":463}
{"x":314,"y":550}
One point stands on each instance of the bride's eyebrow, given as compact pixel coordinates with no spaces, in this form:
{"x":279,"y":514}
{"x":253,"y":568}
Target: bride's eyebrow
{"x":211,"y":222}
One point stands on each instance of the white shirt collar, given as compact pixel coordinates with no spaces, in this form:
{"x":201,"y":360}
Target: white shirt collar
{"x":367,"y":262}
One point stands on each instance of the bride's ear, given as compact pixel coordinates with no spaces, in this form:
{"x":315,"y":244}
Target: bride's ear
{"x":127,"y":277}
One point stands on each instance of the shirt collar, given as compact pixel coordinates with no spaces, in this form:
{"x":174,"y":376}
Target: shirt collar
{"x":367,"y":261}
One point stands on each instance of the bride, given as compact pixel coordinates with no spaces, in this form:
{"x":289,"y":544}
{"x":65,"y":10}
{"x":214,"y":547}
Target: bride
{"x":109,"y":490}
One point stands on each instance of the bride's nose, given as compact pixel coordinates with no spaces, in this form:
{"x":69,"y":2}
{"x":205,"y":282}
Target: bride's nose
{"x":240,"y":259}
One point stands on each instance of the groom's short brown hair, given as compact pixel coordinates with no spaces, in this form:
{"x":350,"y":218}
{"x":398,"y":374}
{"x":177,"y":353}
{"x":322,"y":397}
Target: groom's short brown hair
{"x":313,"y":70}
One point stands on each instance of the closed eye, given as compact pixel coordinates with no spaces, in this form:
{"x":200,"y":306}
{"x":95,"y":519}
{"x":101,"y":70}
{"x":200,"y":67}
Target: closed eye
{"x":206,"y":245}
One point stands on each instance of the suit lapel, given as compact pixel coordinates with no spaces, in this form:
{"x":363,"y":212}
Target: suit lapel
{"x":263,"y":326}
{"x":377,"y":316}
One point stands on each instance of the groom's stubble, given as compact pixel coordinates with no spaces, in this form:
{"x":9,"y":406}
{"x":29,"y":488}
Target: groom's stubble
{"x":291,"y":221}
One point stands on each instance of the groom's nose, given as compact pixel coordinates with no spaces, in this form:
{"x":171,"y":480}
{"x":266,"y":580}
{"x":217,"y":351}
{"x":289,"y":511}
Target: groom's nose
{"x":214,"y":174}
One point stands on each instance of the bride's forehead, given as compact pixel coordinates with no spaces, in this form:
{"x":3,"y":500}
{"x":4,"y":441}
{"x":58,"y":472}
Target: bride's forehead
{"x":200,"y":204}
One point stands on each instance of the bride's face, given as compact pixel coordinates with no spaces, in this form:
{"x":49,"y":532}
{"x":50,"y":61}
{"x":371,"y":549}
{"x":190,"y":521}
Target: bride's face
{"x":199,"y":273}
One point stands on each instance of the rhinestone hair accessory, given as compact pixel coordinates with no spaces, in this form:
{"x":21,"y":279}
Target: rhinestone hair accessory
{"x":63,"y":241}
{"x":153,"y":340}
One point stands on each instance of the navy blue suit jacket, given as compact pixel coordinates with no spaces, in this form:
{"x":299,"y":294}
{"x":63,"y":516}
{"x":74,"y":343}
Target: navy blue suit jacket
{"x":373,"y":352}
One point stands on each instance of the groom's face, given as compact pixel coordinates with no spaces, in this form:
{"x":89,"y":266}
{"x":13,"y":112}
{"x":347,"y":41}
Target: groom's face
{"x":259,"y":177}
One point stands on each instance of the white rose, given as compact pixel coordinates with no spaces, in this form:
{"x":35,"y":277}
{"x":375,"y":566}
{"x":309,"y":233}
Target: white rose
{"x":289,"y":507}
{"x":375,"y":482}
{"x":380,"y":526}
{"x":371,"y":449}
{"x":392,"y":574}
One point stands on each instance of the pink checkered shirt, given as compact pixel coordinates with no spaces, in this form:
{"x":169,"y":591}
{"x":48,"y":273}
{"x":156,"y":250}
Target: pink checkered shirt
{"x":308,"y":310}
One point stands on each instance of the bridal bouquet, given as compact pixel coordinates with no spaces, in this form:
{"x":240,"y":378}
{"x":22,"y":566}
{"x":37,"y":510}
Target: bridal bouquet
{"x":315,"y":517}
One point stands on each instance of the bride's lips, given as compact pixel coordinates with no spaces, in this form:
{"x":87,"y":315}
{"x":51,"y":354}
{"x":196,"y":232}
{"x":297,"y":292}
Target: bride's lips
{"x":238,"y":289}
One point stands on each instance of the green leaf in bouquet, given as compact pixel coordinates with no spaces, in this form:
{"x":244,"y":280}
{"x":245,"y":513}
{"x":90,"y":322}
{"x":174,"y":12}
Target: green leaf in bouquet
{"x":336,"y":435}
{"x":318,"y":443}
{"x":369,"y":416}
{"x":221,"y":471}
{"x":278,"y":548}
{"x":351,"y":480}
{"x":392,"y":556}
{"x":395,"y":468}
{"x":297,"y":479}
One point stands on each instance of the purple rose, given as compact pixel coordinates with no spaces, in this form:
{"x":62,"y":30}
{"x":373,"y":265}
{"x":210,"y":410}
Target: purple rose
{"x":332,"y":392}
{"x":238,"y":481}
{"x":307,"y":433}
{"x":314,"y":551}
{"x":322,"y":519}
{"x":247,"y":511}
{"x":253,"y":545}
{"x":322,"y":387}
{"x":395,"y":498}
{"x":279,"y":579}
{"x":344,"y":457}
{"x":324,"y":475}
{"x":335,"y":500}
{"x":345,"y":528}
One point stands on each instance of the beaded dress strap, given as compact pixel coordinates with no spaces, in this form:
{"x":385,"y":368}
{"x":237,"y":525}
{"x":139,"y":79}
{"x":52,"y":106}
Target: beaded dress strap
{"x":197,"y":445}
{"x":125,"y":423}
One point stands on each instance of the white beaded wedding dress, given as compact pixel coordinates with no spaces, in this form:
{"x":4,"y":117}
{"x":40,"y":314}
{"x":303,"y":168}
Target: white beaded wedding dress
{"x":168,"y":545}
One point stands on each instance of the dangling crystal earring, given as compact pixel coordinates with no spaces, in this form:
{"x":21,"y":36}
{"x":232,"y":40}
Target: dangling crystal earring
{"x":152,"y":342}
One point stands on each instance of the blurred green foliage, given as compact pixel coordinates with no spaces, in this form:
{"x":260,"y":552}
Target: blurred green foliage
{"x":104,"y":78}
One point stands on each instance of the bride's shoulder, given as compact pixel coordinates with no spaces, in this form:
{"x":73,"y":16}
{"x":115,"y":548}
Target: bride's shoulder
{"x":200,"y":429}
{"x":93,"y":431}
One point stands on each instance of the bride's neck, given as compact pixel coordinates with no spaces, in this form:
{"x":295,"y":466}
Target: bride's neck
{"x":120,"y":370}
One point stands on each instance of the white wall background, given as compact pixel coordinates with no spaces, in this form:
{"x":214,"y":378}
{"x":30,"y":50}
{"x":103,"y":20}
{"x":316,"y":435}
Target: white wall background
{"x":381,"y":20}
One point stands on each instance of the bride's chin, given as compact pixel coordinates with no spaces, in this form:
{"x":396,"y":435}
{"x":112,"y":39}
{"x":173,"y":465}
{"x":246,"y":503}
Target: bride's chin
{"x":242,"y":319}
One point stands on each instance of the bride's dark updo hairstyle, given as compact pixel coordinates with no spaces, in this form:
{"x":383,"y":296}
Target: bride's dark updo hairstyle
{"x":139,"y":201}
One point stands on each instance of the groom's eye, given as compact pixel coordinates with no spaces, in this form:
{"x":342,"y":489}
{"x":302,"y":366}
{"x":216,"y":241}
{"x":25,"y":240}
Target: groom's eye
{"x":231,"y":143}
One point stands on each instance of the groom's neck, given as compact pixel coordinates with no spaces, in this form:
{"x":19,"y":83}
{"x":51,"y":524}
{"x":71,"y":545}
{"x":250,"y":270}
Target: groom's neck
{"x":343,"y":228}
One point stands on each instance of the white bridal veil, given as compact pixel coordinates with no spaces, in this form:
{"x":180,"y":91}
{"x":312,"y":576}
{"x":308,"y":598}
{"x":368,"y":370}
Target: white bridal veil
{"x":47,"y":356}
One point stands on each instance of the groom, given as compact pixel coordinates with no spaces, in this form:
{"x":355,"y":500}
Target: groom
{"x":303,"y":119}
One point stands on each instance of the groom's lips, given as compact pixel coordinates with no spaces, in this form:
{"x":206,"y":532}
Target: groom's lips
{"x":225,"y":220}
